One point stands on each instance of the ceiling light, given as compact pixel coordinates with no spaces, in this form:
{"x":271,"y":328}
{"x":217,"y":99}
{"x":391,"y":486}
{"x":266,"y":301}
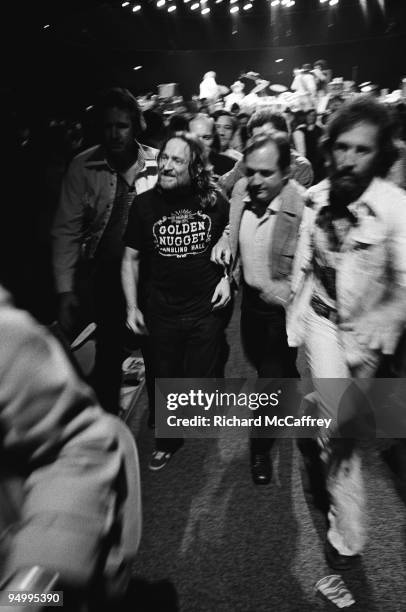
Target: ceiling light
{"x":137,"y":67}
{"x":205,"y":11}
{"x":234,"y":9}
{"x":275,"y":3}
{"x":333,"y":2}
{"x":136,"y":8}
{"x":247,"y":6}
{"x":123,"y":4}
{"x":195,"y":6}
{"x":160,"y":3}
{"x":171,"y":8}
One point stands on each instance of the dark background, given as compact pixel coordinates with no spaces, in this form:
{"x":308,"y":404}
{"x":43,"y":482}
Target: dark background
{"x":92,"y":44}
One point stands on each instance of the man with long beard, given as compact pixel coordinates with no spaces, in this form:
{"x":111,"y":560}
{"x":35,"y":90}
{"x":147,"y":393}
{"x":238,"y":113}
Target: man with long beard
{"x":349,"y":304}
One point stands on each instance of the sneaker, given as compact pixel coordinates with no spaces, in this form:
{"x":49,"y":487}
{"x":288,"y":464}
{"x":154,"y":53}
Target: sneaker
{"x":158,"y":460}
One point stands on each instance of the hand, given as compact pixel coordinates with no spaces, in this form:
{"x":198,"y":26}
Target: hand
{"x":135,"y":321}
{"x":67,"y":315}
{"x":221,"y":252}
{"x":222,"y":294}
{"x":377,"y":332}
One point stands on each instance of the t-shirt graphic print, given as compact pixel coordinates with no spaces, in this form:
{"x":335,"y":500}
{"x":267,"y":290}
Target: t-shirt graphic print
{"x":183,"y":233}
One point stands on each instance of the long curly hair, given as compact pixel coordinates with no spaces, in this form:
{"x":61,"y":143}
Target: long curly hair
{"x":200,"y":170}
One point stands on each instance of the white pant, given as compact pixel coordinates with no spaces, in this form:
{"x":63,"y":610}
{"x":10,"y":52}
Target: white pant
{"x":327,"y":358}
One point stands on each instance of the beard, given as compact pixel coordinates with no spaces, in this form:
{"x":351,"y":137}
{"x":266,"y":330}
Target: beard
{"x":347,"y":187}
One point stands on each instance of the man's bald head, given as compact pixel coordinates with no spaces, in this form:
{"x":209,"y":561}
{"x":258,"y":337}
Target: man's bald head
{"x":203,"y":127}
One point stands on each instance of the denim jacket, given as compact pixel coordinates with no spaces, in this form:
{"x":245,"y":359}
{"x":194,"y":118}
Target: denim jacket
{"x":85,"y":206}
{"x":373,"y":261}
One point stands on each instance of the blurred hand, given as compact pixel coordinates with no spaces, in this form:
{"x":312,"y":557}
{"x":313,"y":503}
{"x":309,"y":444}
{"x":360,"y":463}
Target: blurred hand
{"x":377,"y":332}
{"x":222,"y":294}
{"x":221,"y":252}
{"x":135,"y":322}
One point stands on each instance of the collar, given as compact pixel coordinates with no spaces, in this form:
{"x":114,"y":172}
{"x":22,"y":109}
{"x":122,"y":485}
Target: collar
{"x":99,"y":157}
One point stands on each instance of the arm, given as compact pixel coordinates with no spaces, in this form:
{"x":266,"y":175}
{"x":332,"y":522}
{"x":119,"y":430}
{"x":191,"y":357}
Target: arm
{"x":229,"y":179}
{"x":130,"y":272}
{"x":299,"y":142}
{"x":382,"y":328}
{"x":67,"y":231}
{"x":70,"y":451}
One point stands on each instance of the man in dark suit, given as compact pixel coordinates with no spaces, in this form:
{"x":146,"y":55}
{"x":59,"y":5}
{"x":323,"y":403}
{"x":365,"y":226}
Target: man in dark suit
{"x":265,"y":215}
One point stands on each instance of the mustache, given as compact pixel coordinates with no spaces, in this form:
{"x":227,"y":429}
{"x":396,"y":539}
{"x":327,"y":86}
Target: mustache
{"x":345,"y":172}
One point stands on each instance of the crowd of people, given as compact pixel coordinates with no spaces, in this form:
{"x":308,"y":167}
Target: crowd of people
{"x":156,"y":227}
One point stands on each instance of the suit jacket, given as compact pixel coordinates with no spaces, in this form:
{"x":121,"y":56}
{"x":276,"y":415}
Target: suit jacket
{"x":284,"y":237}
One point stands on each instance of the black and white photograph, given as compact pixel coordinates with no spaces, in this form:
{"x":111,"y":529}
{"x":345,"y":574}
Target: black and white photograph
{"x":203,"y":306}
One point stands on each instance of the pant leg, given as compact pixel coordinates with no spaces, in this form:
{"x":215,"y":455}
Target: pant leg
{"x":265,"y":343}
{"x":109,"y":310}
{"x":204,"y":343}
{"x":347,"y":516}
{"x":166,"y":350}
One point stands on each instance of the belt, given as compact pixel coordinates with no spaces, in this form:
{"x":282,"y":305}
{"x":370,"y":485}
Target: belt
{"x":323,"y":310}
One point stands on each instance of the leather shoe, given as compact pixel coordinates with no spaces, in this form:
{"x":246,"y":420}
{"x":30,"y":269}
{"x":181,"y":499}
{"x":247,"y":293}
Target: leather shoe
{"x":261,"y":469}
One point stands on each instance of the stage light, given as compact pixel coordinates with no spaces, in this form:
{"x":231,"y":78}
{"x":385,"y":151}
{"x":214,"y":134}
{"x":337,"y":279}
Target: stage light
{"x":234,"y":9}
{"x":233,"y":1}
{"x":219,"y":1}
{"x":247,"y":6}
{"x":279,"y":60}
{"x":136,"y":8}
{"x":323,"y":1}
{"x":123,"y":4}
{"x":205,"y":11}
{"x":333,"y":2}
{"x":46,"y":26}
{"x":195,"y":6}
{"x":275,"y":3}
{"x":160,"y":3}
{"x":137,"y":67}
{"x":171,"y":8}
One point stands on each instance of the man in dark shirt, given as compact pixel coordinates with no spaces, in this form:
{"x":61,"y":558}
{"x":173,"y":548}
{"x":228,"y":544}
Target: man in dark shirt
{"x":173,"y":291}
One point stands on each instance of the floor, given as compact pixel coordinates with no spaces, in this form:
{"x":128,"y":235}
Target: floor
{"x":215,"y":542}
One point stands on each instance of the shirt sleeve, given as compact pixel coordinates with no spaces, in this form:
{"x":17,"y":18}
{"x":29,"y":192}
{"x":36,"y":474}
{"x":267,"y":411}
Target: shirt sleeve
{"x":67,"y":231}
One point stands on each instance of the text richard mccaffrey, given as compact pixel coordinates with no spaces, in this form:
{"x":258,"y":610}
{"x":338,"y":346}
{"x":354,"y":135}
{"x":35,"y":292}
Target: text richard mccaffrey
{"x":210,"y":401}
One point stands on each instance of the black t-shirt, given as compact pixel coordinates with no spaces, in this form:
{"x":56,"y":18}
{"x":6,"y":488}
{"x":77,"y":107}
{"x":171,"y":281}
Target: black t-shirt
{"x":174,"y":236}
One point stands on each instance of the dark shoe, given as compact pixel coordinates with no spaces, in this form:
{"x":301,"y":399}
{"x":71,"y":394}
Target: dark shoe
{"x":159,"y":460}
{"x":261,"y":469}
{"x":341,"y":563}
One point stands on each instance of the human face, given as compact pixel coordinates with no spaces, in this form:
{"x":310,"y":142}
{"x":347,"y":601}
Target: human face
{"x":173,"y":165}
{"x":266,"y":128}
{"x":118,"y":132}
{"x":354,"y":155}
{"x":265,"y":179}
{"x":225,"y":131}
{"x":204,"y":130}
